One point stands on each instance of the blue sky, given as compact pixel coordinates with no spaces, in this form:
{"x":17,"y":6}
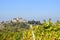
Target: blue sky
{"x":30,"y":9}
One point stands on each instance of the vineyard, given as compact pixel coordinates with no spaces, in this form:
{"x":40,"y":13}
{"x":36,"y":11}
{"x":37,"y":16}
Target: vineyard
{"x":46,"y":31}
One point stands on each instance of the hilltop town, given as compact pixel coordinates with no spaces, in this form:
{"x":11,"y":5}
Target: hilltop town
{"x":19,"y":21}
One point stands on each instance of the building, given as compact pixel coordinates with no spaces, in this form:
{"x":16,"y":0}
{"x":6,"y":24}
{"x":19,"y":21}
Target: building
{"x":19,"y":20}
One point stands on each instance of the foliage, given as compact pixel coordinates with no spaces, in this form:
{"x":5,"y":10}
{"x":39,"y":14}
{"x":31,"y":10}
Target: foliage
{"x":22,"y":31}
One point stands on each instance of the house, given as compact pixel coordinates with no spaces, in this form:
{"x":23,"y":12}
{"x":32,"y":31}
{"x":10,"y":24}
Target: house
{"x":19,"y":20}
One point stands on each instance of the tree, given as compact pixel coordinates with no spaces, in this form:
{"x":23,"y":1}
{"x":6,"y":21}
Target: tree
{"x":50,"y":22}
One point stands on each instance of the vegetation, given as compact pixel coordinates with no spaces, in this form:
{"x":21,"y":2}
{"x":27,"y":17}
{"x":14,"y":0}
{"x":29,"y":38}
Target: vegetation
{"x":24,"y":31}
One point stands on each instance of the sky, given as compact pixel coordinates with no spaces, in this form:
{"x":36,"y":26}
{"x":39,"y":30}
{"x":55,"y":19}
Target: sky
{"x":30,"y":9}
